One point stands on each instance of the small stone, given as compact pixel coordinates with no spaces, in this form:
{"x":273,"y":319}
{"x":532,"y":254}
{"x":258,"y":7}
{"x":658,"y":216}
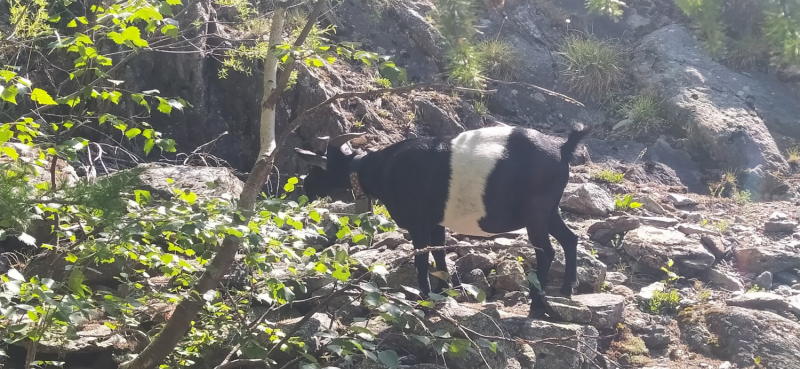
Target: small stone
{"x":389,"y":239}
{"x":655,"y":336}
{"x":647,"y":292}
{"x":688,"y":229}
{"x":514,"y":298}
{"x":570,"y":310}
{"x":587,"y":199}
{"x":470,"y":262}
{"x":660,"y":222}
{"x":778,"y":217}
{"x":509,"y":276}
{"x":616,"y":278}
{"x":780,"y":226}
{"x":607,"y":309}
{"x":694,"y":217}
{"x":622,"y":124}
{"x":680,"y":200}
{"x":605,"y":230}
{"x":764,"y":280}
{"x":649,"y":204}
{"x":760,"y":301}
{"x":725,"y":281}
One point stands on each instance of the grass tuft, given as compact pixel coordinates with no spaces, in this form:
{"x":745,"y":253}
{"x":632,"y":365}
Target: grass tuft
{"x":609,"y":176}
{"x":644,"y":112}
{"x":593,"y":67}
{"x":746,"y":52}
{"x":500,"y":59}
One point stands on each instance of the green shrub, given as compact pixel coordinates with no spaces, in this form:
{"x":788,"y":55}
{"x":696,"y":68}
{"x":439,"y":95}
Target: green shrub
{"x":500,"y":59}
{"x":609,"y":176}
{"x":610,"y":8}
{"x":593,"y":67}
{"x":626,"y":202}
{"x":705,"y":16}
{"x":793,"y":156}
{"x":742,"y":197}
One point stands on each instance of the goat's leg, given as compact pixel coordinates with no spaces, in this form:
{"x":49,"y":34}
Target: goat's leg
{"x":421,"y":240}
{"x":540,"y":240}
{"x":569,"y":242}
{"x":438,"y":239}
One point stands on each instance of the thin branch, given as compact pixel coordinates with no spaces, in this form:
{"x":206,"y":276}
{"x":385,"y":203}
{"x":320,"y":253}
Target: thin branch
{"x":40,"y":109}
{"x":322,"y":304}
{"x":449,"y":248}
{"x":244,"y":363}
{"x":542,"y":89}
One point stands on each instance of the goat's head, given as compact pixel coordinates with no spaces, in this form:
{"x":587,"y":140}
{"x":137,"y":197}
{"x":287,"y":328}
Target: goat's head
{"x":329,"y":172}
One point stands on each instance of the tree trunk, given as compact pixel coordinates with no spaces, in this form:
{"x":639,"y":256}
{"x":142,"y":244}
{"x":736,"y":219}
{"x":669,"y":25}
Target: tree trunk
{"x":180,"y":321}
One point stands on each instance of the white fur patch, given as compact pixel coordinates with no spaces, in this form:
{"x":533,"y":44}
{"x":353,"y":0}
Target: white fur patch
{"x":473,"y":157}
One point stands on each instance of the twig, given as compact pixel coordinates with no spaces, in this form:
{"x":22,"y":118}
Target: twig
{"x":446,"y":248}
{"x":244,"y":363}
{"x":307,"y":317}
{"x":91,"y":84}
{"x":542,"y":89}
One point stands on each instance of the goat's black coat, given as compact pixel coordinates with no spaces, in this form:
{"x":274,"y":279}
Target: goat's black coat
{"x":412,"y":178}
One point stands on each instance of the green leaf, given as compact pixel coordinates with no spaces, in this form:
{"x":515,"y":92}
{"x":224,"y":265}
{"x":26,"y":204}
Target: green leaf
{"x":389,"y":358}
{"x":164,"y":106}
{"x":148,"y":145}
{"x":476,"y":292}
{"x":170,"y":30}
{"x":341,"y":273}
{"x":174,"y":2}
{"x":534,"y":280}
{"x":6,"y":134}
{"x":110,"y":325}
{"x":133,"y":132}
{"x":9,"y":94}
{"x":72,"y":24}
{"x":10,"y":152}
{"x":42,"y":97}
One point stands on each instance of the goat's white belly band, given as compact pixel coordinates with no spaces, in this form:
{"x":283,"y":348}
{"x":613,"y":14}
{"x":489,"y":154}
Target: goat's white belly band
{"x":473,"y":157}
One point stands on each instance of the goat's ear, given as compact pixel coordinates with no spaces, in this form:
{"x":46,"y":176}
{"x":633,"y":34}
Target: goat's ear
{"x":312,"y":158}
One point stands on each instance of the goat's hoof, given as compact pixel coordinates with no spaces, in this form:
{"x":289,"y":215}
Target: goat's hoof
{"x":566,"y":292}
{"x":537,"y":313}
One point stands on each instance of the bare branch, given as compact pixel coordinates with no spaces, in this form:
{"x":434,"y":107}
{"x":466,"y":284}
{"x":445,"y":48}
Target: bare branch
{"x":542,"y":89}
{"x":244,"y":363}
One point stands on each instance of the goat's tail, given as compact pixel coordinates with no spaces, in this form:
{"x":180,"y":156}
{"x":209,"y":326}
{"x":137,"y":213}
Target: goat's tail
{"x":573,"y":139}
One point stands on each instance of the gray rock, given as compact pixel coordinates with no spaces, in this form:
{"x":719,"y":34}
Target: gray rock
{"x":725,"y":280}
{"x":616,"y":278}
{"x":680,"y":162}
{"x":509,"y":276}
{"x":680,"y":200}
{"x":689,"y":229}
{"x":655,"y":336}
{"x":607,"y":309}
{"x":569,"y":353}
{"x":649,"y":204}
{"x":570,"y":311}
{"x":646,"y":293}
{"x":477,"y":278}
{"x":514,"y":298}
{"x":206,"y":182}
{"x":778,"y":217}
{"x":672,"y":61}
{"x":760,"y":301}
{"x":475,"y":261}
{"x":654,"y":246}
{"x":785,"y":278}
{"x":587,"y":199}
{"x":780,"y":226}
{"x":765,"y":258}
{"x":764,"y":280}
{"x":591,"y":271}
{"x":794,"y":305}
{"x":660,"y":222}
{"x":310,"y":331}
{"x":389,"y":240}
{"x":605,"y":230}
{"x":754,"y":331}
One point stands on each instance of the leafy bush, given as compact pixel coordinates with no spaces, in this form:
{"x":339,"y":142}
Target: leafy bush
{"x":609,"y":176}
{"x":500,"y":59}
{"x":593,"y":67}
{"x":793,"y":156}
{"x":610,"y":8}
{"x":742,"y":197}
{"x":706,"y":16}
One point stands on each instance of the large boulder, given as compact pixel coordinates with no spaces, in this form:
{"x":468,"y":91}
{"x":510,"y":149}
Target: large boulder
{"x":654,"y":246}
{"x":743,"y":334}
{"x":206,"y":182}
{"x":722,"y":109}
{"x":766,"y":258}
{"x":575,"y":347}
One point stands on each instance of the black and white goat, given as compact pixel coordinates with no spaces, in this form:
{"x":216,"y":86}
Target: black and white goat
{"x":480,"y":182}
